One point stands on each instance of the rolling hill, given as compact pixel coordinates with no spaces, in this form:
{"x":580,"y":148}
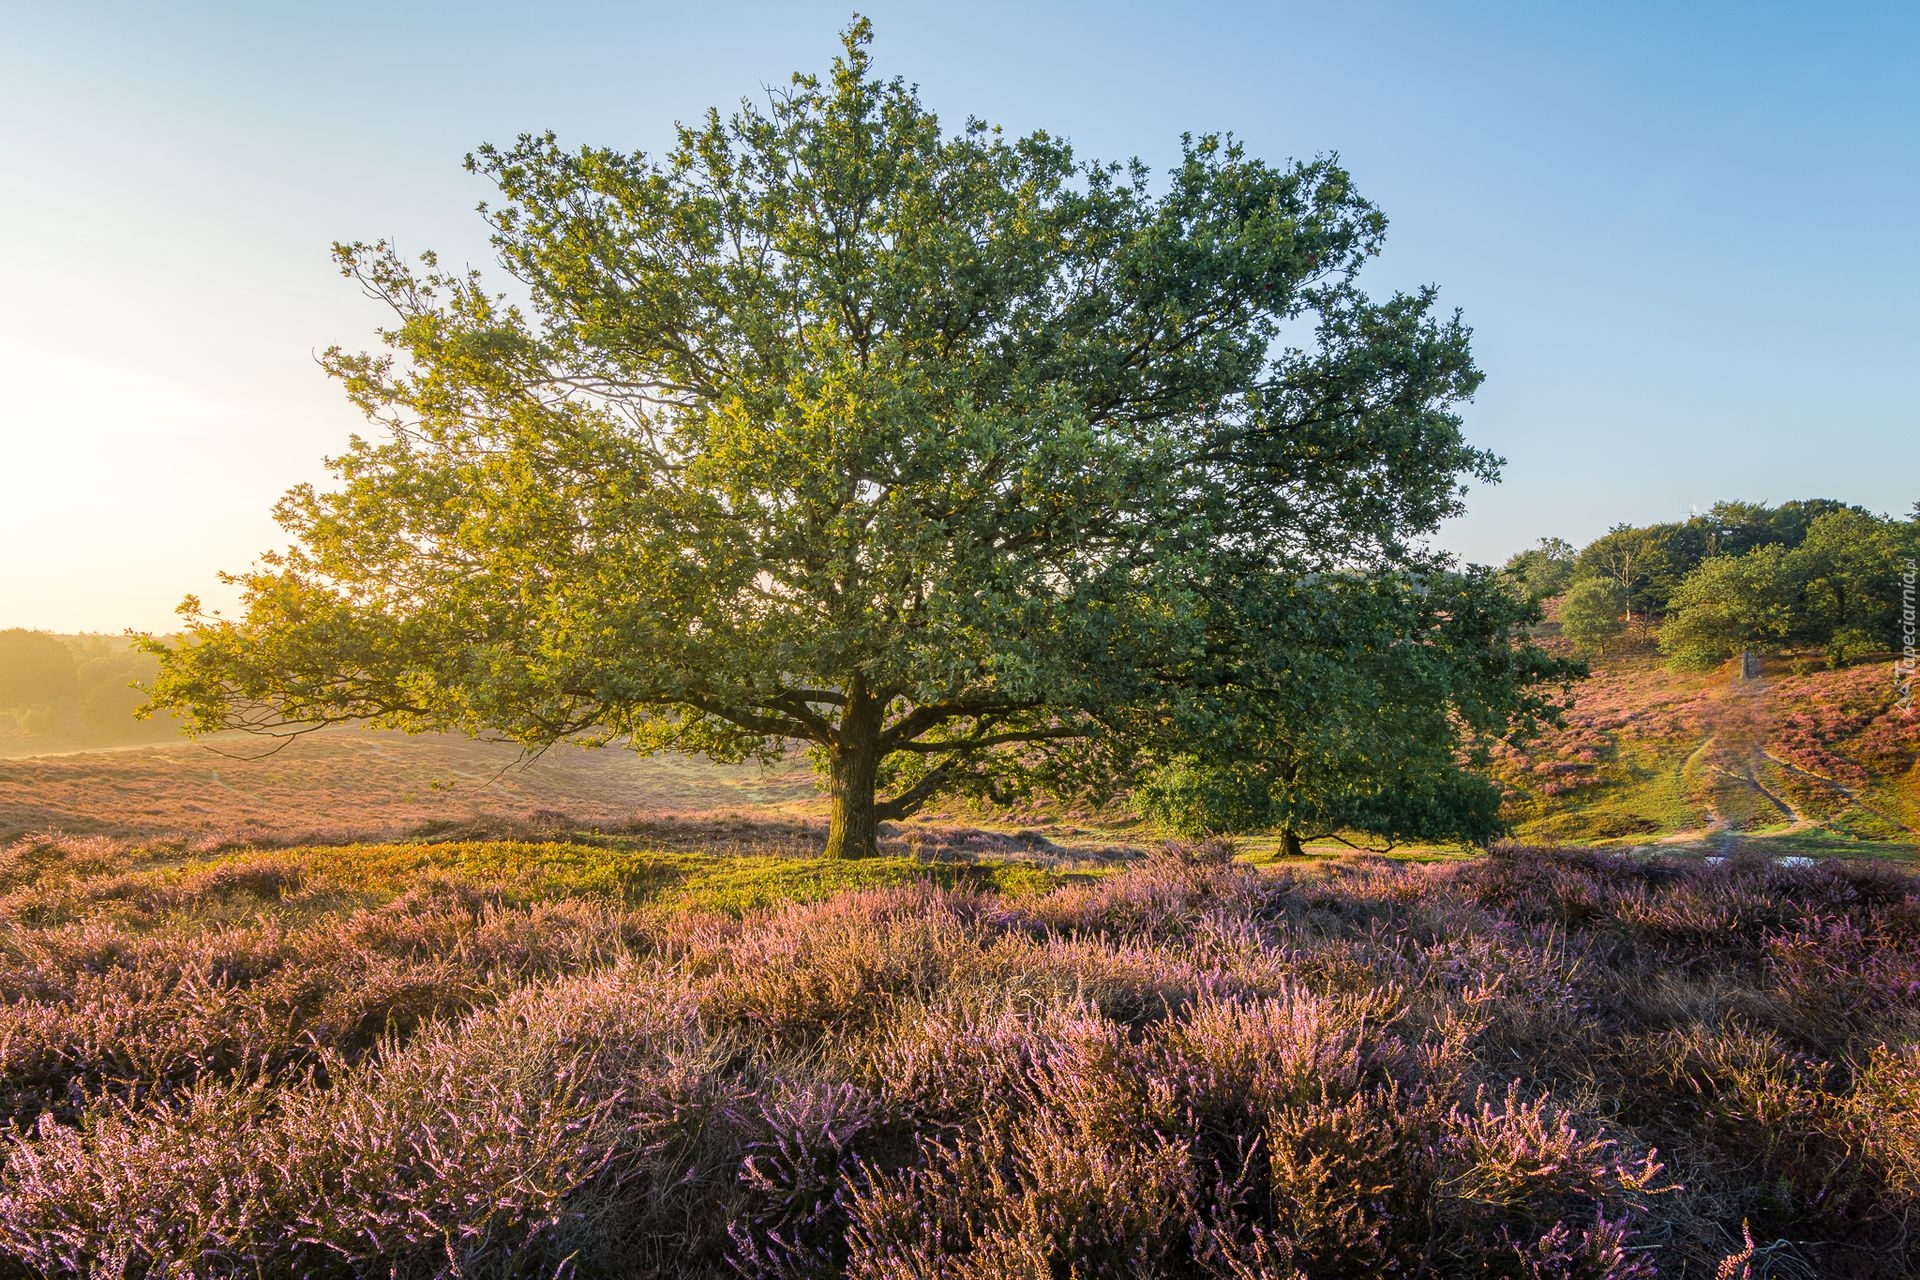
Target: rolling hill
{"x":1812,"y":760}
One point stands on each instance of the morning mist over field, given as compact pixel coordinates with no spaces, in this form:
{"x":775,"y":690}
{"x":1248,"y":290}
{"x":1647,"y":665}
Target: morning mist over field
{"x":1261,"y":642}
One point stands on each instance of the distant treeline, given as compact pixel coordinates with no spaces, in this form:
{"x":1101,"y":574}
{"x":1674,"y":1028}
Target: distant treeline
{"x":1816,"y":575}
{"x":64,"y":692}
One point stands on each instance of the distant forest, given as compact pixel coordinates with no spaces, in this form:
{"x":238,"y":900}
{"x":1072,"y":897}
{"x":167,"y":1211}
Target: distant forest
{"x":1817,"y":578}
{"x":73,"y":692}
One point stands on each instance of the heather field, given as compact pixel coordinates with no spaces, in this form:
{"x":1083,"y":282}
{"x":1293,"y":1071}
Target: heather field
{"x":590,"y":1055}
{"x":349,"y":784}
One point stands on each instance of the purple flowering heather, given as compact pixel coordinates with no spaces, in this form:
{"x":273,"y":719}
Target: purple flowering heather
{"x":1536,"y":1064}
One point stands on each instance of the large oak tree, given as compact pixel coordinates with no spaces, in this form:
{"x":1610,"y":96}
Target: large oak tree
{"x":936,"y":450}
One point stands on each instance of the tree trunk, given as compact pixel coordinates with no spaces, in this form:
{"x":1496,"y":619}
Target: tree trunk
{"x":853,"y":826}
{"x":1290,"y":844}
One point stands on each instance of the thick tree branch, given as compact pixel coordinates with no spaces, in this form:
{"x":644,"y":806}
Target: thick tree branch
{"x":931,"y":715}
{"x":1385,"y":847}
{"x":754,"y":722}
{"x":798,"y":707}
{"x":910,"y":801}
{"x":943,"y":745}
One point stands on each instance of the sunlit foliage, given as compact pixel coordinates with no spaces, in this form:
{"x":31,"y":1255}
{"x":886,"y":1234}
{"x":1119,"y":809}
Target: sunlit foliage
{"x":937,"y":450}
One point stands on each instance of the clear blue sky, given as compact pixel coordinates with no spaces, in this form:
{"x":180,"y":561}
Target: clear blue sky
{"x":1683,"y":233}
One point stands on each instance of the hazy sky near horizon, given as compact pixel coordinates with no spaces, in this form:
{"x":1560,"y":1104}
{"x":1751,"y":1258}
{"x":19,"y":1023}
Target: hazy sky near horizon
{"x":1683,"y":233}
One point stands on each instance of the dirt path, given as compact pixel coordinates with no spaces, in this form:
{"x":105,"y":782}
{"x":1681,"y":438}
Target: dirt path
{"x":1785,"y":806}
{"x":1853,"y":796}
{"x":1724,"y":770}
{"x":1724,"y":774}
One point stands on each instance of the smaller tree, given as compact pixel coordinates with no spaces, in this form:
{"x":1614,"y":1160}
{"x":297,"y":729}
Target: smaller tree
{"x":1192,"y":798}
{"x":1542,"y":571}
{"x":1731,"y":605}
{"x":1590,"y":614}
{"x":1634,"y":557}
{"x":1842,"y":570}
{"x":1357,"y":705}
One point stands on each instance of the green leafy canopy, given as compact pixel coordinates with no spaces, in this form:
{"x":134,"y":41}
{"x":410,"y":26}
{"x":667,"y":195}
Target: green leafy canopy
{"x":1833,"y":587}
{"x":936,"y":450}
{"x":1359,"y":704}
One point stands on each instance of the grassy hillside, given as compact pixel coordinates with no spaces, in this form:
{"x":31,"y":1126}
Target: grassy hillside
{"x":1818,"y":762}
{"x":592,"y":1057}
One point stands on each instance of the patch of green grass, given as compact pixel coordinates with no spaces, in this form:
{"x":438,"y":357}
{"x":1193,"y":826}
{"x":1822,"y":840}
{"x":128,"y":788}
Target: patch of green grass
{"x":745,"y":883}
{"x":1780,"y":842}
{"x":526,"y":871}
{"x":1265,"y":850}
{"x":1834,"y":844}
{"x":1643,"y":792}
{"x":1820,"y":842}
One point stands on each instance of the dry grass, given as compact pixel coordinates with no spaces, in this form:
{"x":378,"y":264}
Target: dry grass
{"x":345,"y":785}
